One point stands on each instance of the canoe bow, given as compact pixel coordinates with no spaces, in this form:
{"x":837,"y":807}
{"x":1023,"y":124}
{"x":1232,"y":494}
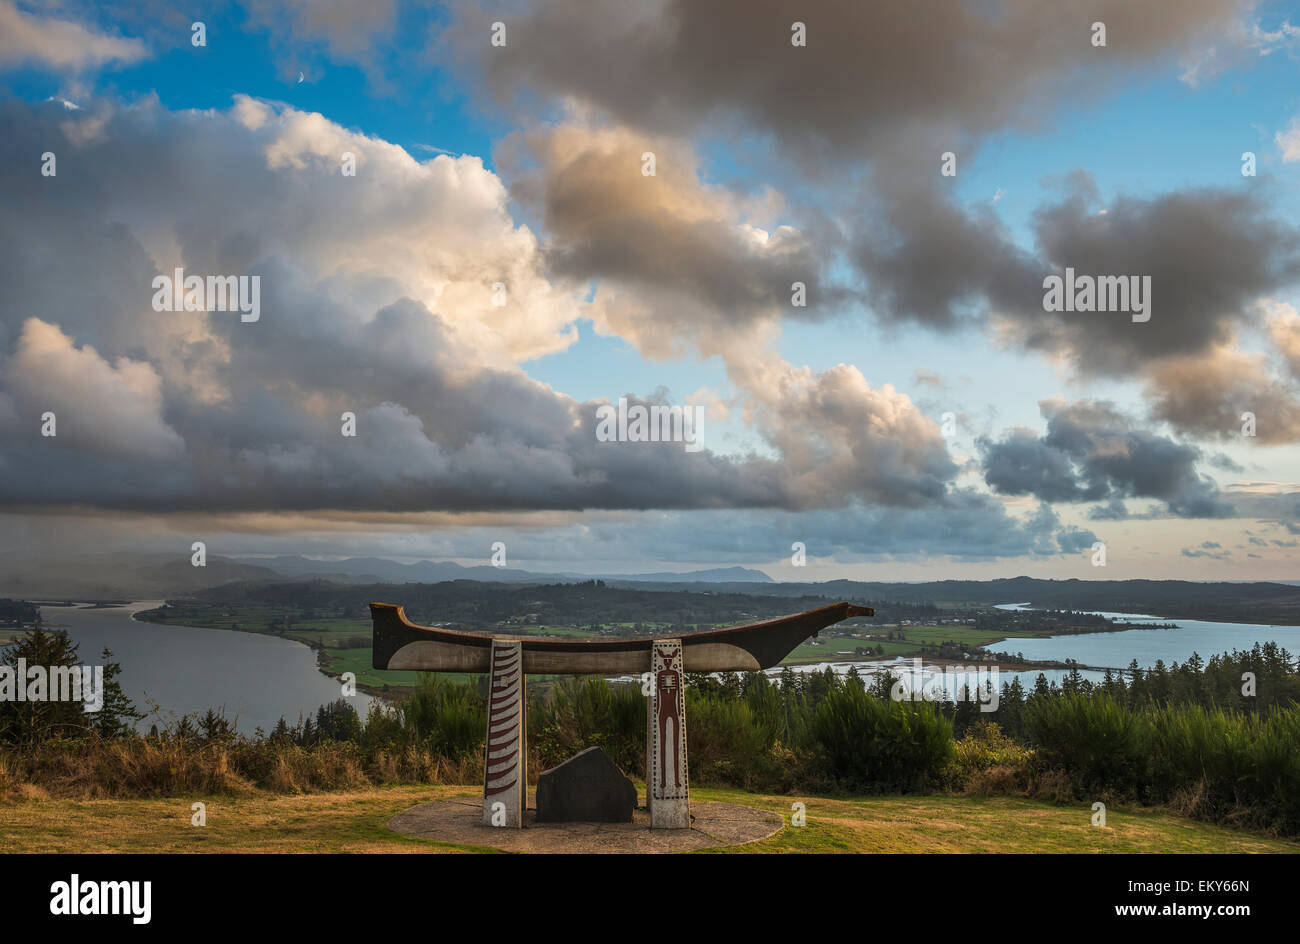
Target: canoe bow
{"x":401,"y":644}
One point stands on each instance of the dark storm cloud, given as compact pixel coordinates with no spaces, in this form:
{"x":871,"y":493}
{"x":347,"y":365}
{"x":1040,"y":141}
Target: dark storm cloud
{"x":1092,"y":452}
{"x":870,"y":71}
{"x":930,"y":261}
{"x":1210,"y":254}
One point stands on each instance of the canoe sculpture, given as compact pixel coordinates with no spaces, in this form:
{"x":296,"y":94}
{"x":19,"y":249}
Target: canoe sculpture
{"x":401,"y":644}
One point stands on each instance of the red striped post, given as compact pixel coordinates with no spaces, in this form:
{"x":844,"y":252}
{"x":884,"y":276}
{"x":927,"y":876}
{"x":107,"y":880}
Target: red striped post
{"x":504,"y":765}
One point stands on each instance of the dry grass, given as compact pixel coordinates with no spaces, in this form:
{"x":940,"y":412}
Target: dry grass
{"x":161,"y":767}
{"x":322,"y":822}
{"x":356,"y":821}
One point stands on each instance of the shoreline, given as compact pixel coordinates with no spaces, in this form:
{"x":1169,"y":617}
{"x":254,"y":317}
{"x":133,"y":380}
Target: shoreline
{"x":316,"y":649}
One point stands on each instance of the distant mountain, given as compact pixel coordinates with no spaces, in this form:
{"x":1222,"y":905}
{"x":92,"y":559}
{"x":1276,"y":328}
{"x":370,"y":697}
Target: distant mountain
{"x":716,"y":575}
{"x":381,"y":570}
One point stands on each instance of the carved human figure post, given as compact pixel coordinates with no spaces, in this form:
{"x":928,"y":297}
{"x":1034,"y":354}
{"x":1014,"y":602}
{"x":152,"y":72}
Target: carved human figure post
{"x":505,"y":758}
{"x":667,"y":789}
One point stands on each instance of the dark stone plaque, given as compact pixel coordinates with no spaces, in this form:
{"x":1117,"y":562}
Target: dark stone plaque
{"x":586,"y":788}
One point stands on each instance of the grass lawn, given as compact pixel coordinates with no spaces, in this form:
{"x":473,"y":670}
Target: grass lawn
{"x":356,"y":822}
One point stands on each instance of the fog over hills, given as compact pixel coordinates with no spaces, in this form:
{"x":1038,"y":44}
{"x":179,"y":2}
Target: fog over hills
{"x":156,"y":575}
{"x":117,"y":576}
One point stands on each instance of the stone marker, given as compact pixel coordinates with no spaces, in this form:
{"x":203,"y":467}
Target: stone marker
{"x":586,"y":788}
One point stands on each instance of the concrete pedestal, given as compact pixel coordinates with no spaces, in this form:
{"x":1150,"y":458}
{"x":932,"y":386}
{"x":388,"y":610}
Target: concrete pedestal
{"x":667,"y":791}
{"x":504,"y":768}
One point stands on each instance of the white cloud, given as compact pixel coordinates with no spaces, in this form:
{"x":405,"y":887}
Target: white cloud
{"x":107,"y":409}
{"x":60,"y":44}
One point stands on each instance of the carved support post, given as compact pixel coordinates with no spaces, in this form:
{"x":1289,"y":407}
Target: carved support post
{"x":505,"y":781}
{"x":667,"y":792}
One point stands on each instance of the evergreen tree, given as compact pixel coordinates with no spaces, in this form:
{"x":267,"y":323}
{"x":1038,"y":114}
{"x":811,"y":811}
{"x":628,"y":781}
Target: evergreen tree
{"x":118,"y":715}
{"x":34,"y":720}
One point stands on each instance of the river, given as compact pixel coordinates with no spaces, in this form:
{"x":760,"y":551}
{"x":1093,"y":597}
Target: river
{"x":1115,"y":650}
{"x":184,"y":669}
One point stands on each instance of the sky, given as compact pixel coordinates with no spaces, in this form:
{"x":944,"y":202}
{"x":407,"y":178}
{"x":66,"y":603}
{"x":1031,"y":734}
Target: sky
{"x":825,"y":229}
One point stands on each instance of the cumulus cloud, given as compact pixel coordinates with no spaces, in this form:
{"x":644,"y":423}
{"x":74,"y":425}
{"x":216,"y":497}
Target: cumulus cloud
{"x":677,"y":261}
{"x":1208,"y":394}
{"x":106,"y":409}
{"x":436,"y":231}
{"x":839,"y":435}
{"x":376,"y":299}
{"x":1092,"y":452}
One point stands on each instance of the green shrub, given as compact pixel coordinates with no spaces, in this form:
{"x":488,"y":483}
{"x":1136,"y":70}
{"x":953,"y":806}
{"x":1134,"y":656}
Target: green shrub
{"x":449,"y":720}
{"x":878,"y":745}
{"x":589,"y":712}
{"x":1226,"y":765}
{"x":727,"y":743}
{"x":1102,"y":744}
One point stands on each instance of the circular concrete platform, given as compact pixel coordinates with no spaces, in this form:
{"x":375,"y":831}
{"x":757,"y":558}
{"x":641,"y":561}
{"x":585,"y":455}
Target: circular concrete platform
{"x":458,"y":821}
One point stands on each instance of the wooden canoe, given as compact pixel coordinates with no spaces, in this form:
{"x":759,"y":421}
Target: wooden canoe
{"x":401,"y":644}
